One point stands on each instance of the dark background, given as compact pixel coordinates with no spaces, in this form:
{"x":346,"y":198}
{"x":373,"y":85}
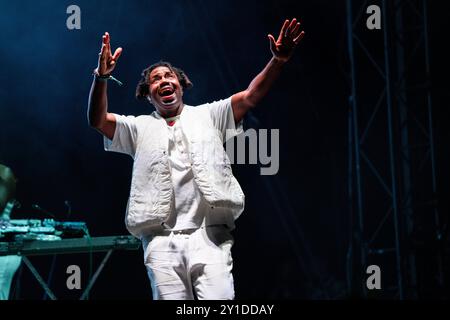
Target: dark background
{"x":45,"y":139}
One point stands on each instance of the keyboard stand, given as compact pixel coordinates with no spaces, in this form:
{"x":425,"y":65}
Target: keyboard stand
{"x":38,"y":278}
{"x":67,"y":246}
{"x":49,"y":292}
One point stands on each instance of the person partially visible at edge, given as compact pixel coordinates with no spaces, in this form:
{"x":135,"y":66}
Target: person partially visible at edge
{"x":184,"y":198}
{"x":8,"y":264}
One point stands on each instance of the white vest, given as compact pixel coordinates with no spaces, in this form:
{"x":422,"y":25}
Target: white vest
{"x":151,"y":190}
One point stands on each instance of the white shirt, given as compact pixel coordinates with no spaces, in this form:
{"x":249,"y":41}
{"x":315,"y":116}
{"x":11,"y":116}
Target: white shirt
{"x":188,"y":207}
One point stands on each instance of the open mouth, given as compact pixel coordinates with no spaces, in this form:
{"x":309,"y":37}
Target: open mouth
{"x":167,"y":94}
{"x":166,"y":91}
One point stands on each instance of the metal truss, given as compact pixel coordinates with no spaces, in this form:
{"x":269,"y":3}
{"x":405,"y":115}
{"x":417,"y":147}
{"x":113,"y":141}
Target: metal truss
{"x":392,"y":173}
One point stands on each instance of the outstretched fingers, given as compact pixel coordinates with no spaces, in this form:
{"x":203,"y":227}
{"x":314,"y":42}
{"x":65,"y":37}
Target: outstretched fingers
{"x":295,"y":31}
{"x":283,"y":30}
{"x":103,"y":53}
{"x":299,"y":37}
{"x":272,"y":42}
{"x":291,"y":26}
{"x":108,"y":44}
{"x":116,"y":55}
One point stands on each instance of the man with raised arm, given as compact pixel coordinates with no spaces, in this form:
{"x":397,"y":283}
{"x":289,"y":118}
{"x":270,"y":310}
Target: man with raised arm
{"x":184,"y":198}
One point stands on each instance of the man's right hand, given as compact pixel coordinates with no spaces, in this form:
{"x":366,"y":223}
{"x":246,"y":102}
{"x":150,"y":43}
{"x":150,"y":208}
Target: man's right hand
{"x":106,"y":61}
{"x":98,"y":115}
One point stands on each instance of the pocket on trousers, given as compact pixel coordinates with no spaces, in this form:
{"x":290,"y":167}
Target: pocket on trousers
{"x":219,"y":236}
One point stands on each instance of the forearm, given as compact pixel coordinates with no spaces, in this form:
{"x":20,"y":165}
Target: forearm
{"x":262,"y":83}
{"x":98,"y":103}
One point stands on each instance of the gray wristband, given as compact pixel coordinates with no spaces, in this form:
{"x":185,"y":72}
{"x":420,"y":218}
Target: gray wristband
{"x":105,"y":78}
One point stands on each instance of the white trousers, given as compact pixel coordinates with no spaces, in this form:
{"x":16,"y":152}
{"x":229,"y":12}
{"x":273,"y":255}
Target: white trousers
{"x":185,"y":264}
{"x":8,"y":267}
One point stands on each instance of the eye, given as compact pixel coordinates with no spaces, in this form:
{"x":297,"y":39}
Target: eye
{"x":154,"y":79}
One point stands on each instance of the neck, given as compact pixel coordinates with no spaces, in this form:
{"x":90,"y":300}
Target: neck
{"x":171,"y":113}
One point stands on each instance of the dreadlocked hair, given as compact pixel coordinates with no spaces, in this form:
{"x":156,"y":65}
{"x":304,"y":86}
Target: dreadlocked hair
{"x":142,"y":89}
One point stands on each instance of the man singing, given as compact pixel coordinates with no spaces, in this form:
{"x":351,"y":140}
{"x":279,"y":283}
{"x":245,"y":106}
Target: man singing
{"x":184,"y":198}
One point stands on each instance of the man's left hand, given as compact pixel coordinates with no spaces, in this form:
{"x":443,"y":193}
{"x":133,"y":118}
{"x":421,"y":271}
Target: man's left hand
{"x":289,"y":37}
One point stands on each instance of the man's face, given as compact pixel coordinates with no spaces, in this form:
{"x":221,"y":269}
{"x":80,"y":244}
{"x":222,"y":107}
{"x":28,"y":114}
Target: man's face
{"x":165,"y":90}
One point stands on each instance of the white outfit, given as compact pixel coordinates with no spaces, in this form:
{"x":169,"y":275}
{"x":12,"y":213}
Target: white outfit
{"x":8,"y":264}
{"x":183,"y":198}
{"x":178,"y":264}
{"x":188,"y":207}
{"x":8,"y":267}
{"x":146,"y":139}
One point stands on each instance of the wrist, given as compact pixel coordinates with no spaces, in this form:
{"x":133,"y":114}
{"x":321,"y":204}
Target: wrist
{"x":105,"y":77}
{"x":278,"y":61}
{"x":98,"y":75}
